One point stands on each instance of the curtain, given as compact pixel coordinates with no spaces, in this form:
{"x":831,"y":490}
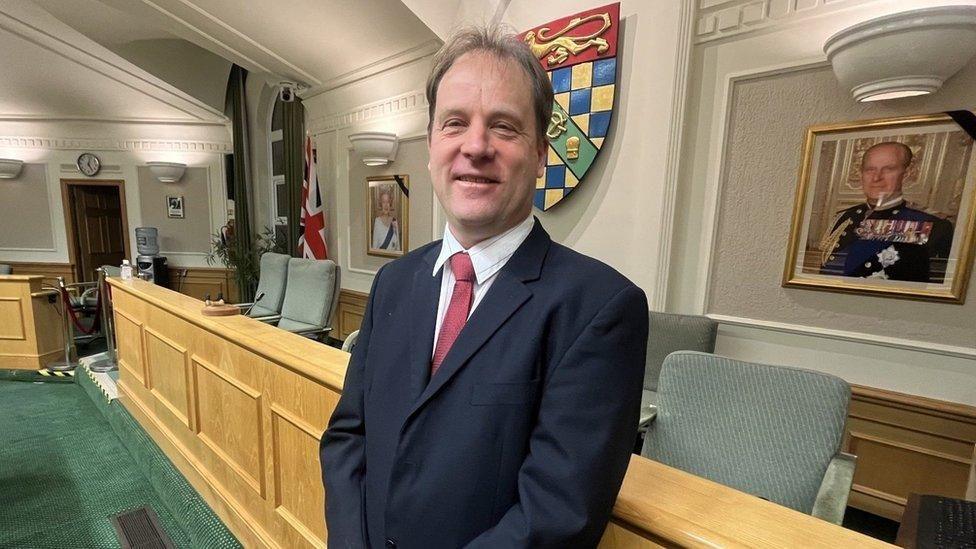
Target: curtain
{"x":243,"y":232}
{"x":293,"y":132}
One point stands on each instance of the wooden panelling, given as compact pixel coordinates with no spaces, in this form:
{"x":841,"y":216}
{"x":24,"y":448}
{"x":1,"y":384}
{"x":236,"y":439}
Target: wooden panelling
{"x":12,"y":319}
{"x":201,"y":281}
{"x":50,"y":271}
{"x":167,"y":369}
{"x":293,"y":441}
{"x":349,"y":312}
{"x":229,"y":422}
{"x":907,"y":444}
{"x":30,"y":325}
{"x":262,"y":398}
{"x":128,"y":337}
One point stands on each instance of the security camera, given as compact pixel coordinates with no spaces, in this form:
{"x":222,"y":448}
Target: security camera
{"x":286,"y":91}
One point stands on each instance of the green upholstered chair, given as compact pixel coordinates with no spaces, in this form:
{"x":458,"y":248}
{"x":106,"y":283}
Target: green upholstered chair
{"x":771,"y":431}
{"x":311,"y":296}
{"x":6,"y":269}
{"x":667,"y":333}
{"x":271,"y":287}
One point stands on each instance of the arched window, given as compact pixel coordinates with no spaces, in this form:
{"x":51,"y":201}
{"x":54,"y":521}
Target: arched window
{"x":279,"y":192}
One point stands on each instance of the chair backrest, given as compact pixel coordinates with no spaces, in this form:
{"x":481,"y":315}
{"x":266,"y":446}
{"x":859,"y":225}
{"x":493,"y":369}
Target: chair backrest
{"x":112,"y":270}
{"x":310,"y":295}
{"x":770,"y":431}
{"x":670,"y":332}
{"x":271,"y":283}
{"x":350,"y":341}
{"x":6,"y":269}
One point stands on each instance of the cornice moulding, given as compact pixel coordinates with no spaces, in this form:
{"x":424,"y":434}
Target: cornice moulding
{"x":719,"y":19}
{"x":100,"y":120}
{"x":72,"y":144}
{"x":396,"y":60}
{"x":393,"y":106}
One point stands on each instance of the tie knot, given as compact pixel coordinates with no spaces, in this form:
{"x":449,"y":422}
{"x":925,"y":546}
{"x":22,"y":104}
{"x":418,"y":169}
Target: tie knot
{"x":461,"y":267}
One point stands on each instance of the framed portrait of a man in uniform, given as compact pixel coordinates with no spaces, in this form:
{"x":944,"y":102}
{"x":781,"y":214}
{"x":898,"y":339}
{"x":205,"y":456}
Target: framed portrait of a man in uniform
{"x":386,"y":215}
{"x":885,"y":207}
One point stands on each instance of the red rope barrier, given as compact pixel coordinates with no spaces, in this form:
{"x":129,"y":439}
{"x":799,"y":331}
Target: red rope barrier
{"x":74,"y":316}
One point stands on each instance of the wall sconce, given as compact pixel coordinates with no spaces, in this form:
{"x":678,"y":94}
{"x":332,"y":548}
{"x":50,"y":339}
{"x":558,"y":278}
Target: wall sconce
{"x":167,"y":172}
{"x":903,"y":54}
{"x":10,"y":168}
{"x":376,"y":148}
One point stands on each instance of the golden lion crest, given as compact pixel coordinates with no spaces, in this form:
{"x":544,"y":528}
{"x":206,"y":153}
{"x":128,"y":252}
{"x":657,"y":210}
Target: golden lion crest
{"x":559,"y":47}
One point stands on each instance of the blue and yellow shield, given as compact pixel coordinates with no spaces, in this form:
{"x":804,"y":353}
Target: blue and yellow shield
{"x":580,"y":54}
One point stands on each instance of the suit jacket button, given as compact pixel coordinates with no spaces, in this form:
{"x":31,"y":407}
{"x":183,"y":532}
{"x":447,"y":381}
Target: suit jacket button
{"x":391,"y":543}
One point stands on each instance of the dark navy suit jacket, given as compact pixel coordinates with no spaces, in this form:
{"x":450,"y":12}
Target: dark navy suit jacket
{"x":523,"y":436}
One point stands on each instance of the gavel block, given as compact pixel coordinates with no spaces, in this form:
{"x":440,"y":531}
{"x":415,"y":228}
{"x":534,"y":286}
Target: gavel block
{"x":221,"y":310}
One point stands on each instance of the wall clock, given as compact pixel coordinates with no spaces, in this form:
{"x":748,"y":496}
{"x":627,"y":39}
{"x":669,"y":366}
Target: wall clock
{"x":88,"y":164}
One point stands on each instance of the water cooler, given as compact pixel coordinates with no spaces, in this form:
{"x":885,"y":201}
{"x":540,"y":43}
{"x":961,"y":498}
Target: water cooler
{"x":150,"y":265}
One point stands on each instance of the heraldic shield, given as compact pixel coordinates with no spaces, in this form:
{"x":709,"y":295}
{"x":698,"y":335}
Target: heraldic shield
{"x":580,"y":54}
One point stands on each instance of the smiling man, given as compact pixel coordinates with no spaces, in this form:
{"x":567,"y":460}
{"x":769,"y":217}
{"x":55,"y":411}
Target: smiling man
{"x":884,"y":237}
{"x":492,"y":397}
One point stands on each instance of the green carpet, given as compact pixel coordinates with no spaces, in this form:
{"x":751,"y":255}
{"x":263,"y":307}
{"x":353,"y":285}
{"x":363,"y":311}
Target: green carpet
{"x":64,"y":472}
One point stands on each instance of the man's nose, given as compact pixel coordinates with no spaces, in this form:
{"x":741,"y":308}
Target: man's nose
{"x":477,"y":143}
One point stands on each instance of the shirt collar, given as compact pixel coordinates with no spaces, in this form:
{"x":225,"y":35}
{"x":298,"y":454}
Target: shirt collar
{"x":487,"y":256}
{"x":890,"y":203}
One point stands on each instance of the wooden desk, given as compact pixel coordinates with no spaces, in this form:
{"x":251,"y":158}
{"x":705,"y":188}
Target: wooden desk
{"x":240,"y":406}
{"x":30,"y":326}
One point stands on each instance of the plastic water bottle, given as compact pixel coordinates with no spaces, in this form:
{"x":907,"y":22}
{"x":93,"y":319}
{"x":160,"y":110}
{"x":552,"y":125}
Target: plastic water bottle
{"x":126,"y":270}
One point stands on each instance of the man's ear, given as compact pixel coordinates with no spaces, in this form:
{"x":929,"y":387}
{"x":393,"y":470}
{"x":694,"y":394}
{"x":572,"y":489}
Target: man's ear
{"x":543,"y":153}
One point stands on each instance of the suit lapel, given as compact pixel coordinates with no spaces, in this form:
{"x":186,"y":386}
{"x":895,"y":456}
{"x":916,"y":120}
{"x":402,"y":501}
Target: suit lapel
{"x":507,"y":294}
{"x":424,"y":295}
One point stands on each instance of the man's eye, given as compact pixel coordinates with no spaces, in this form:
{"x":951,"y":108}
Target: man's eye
{"x":505,"y":128}
{"x":453,"y":123}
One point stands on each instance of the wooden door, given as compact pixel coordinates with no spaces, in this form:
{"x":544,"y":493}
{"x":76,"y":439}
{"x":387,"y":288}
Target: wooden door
{"x":98,"y":222}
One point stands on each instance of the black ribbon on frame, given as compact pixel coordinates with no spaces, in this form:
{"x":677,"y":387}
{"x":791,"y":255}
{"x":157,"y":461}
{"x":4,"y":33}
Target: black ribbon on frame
{"x":966,"y":120}
{"x":403,"y":186}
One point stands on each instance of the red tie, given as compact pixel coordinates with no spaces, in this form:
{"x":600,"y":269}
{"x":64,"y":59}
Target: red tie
{"x":457,"y":310}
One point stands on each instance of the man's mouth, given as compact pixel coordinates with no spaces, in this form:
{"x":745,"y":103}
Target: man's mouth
{"x":475,"y":179}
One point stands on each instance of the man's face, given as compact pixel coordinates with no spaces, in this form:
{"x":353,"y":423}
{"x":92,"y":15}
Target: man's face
{"x":882,"y":172}
{"x":484,"y":154}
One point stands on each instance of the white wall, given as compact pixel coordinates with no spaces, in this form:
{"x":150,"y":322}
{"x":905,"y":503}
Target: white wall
{"x":736,"y":43}
{"x":640,"y":209}
{"x":621,"y":213}
{"x":392,"y":101}
{"x":122,"y":149}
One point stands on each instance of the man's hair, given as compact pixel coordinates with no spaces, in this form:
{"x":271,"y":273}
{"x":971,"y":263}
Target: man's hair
{"x":906,"y":151}
{"x":500,"y":42}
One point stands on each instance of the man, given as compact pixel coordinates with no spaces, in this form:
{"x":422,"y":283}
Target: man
{"x":883,"y":237}
{"x":492,"y":397}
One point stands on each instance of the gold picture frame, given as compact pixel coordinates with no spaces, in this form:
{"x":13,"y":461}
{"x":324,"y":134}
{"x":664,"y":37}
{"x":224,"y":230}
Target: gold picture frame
{"x":865,"y":221}
{"x":387,"y":215}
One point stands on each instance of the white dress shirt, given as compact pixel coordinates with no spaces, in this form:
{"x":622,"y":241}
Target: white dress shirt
{"x":487,"y":257}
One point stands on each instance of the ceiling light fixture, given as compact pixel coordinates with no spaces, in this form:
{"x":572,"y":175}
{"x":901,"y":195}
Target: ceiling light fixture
{"x":376,"y":148}
{"x":903,"y":54}
{"x":167,"y":172}
{"x":10,"y":168}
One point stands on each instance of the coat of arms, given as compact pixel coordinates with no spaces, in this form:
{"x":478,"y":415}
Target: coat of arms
{"x":580,"y":54}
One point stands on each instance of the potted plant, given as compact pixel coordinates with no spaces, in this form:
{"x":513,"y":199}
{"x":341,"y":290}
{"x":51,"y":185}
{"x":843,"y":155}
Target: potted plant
{"x":246,"y":263}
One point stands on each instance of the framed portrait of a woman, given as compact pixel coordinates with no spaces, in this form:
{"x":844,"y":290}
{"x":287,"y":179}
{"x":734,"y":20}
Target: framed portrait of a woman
{"x":387,"y":208}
